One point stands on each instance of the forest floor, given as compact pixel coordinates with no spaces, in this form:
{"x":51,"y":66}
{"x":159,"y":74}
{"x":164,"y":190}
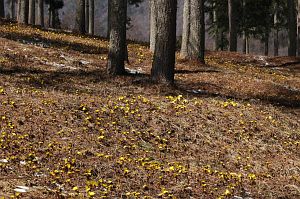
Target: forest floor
{"x":229,"y":129}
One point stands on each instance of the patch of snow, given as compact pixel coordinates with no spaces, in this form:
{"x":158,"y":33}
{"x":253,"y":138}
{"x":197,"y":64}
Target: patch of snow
{"x":134,"y":71}
{"x":66,"y":58}
{"x":84,"y":62}
{"x":23,"y":162}
{"x":21,"y":189}
{"x":3,"y":161}
{"x":199,"y":91}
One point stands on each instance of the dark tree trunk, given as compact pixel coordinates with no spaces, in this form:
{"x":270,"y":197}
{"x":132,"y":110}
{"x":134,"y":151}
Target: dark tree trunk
{"x":41,"y":13}
{"x":117,"y":40}
{"x":232,"y":25}
{"x":2,"y":12}
{"x":298,"y":28}
{"x":165,"y":43}
{"x":266,"y":43}
{"x":91,"y":16}
{"x":292,"y":24}
{"x":80,"y":17}
{"x":108,"y":20}
{"x":31,"y":11}
{"x":12,"y":9}
{"x":152,"y":25}
{"x":276,"y":43}
{"x":86,"y":12}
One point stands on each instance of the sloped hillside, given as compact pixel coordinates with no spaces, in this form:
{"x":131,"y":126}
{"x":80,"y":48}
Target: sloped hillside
{"x":229,"y":129}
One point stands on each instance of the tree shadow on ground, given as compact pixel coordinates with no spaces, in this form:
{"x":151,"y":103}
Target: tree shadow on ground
{"x":71,"y":81}
{"x":278,"y":96}
{"x":39,"y":40}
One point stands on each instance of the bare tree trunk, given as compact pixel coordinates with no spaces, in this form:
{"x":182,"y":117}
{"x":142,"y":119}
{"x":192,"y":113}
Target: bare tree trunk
{"x":193,"y":37}
{"x":91,"y":16}
{"x":108,"y":20}
{"x":247,"y":45}
{"x":275,"y":32}
{"x":86,"y":11}
{"x":232,"y":25}
{"x":12,"y":9}
{"x":117,"y":41}
{"x":80,"y":17}
{"x":152,"y":25}
{"x":41,"y":13}
{"x":19,"y":10}
{"x":292,"y":24}
{"x":298,"y":27}
{"x":266,"y":43}
{"x":244,"y":43}
{"x":163,"y":66}
{"x":2,"y":12}
{"x":185,"y":29}
{"x":23,"y":11}
{"x":31,"y":19}
{"x":217,"y":33}
{"x":276,"y":43}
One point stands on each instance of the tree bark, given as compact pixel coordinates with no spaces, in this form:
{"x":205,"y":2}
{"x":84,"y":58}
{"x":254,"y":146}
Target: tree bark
{"x":266,"y":43}
{"x":2,"y":12}
{"x":12,"y":9}
{"x":117,"y":41}
{"x":276,"y":43}
{"x":108,"y":20}
{"x":86,"y":11}
{"x":193,"y":37}
{"x":152,"y":25}
{"x":31,"y":19}
{"x":292,"y":24}
{"x":232,"y":25}
{"x":298,"y":28}
{"x":80,"y":17}
{"x":165,"y":43}
{"x":91,"y":16}
{"x":23,"y":11}
{"x":185,"y":29}
{"x":41,"y":13}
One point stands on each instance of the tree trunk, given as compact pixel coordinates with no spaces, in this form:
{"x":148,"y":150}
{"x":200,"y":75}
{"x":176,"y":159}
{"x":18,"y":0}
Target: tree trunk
{"x":193,"y":37}
{"x":2,"y":12}
{"x":298,"y":27}
{"x":108,"y":20}
{"x":266,"y":43}
{"x":185,"y":29}
{"x":91,"y":16}
{"x":217,"y":33}
{"x":12,"y":9}
{"x":165,"y":42}
{"x":80,"y":17}
{"x":41,"y":13}
{"x":86,"y":11}
{"x":31,"y":19}
{"x":276,"y":43}
{"x":292,"y":24}
{"x":23,"y":11}
{"x":232,"y":25}
{"x":117,"y":41}
{"x":152,"y":25}
{"x":19,"y":10}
